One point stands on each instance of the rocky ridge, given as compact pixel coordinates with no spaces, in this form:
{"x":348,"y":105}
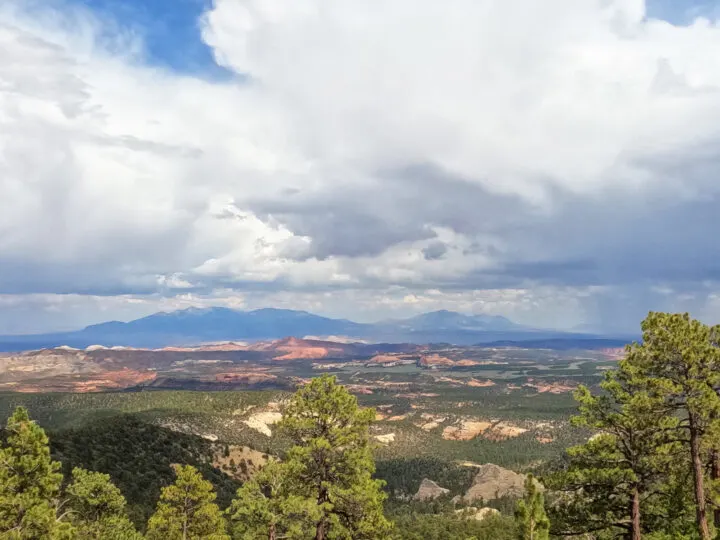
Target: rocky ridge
{"x":429,"y":490}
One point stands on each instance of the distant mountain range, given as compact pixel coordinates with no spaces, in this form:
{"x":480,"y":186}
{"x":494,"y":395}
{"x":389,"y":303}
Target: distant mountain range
{"x":450,"y":320}
{"x":202,"y":325}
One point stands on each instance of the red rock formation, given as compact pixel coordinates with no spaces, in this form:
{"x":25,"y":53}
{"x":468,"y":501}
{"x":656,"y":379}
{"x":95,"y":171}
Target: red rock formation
{"x":429,"y":360}
{"x":298,"y":349}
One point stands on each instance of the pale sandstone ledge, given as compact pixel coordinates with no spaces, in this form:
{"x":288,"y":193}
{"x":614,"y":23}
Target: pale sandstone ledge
{"x":429,"y":490}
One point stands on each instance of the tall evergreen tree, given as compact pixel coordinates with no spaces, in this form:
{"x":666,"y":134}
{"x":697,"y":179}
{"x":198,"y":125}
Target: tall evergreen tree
{"x":532,"y":521}
{"x":332,"y":460}
{"x":186,"y":510}
{"x":680,"y":359}
{"x":97,"y":508}
{"x":29,"y":482}
{"x":267,"y":506}
{"x":622,"y":467}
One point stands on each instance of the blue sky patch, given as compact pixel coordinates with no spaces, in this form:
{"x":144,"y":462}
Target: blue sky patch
{"x":169,"y":28}
{"x":683,"y":11}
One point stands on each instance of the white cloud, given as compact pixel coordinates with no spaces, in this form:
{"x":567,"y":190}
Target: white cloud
{"x":372,"y":151}
{"x":515,"y":94}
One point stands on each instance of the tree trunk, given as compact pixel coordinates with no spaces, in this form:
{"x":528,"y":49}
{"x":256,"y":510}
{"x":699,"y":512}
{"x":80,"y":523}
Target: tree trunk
{"x":635,"y":515}
{"x":715,"y":475}
{"x":321,"y":529}
{"x":186,"y":517}
{"x":700,"y":504}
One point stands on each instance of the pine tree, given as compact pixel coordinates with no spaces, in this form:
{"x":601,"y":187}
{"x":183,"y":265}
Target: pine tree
{"x":713,"y":444}
{"x":332,"y":460}
{"x":680,"y":359}
{"x":623,"y":464}
{"x":533,"y":523}
{"x":186,"y":510}
{"x":98,"y":508}
{"x":266,"y":507}
{"x":29,"y":482}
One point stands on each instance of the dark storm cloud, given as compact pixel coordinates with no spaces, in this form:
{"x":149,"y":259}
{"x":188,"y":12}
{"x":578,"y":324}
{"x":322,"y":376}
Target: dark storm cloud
{"x":615,"y":237}
{"x":396,"y":207}
{"x":435,"y":251}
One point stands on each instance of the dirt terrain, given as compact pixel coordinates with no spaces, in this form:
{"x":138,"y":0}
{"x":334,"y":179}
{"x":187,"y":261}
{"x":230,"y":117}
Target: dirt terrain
{"x":262,"y":421}
{"x":105,"y":368}
{"x":435,"y":360}
{"x":366,"y":369}
{"x":466,"y":430}
{"x":552,"y":388}
{"x":239,"y":462}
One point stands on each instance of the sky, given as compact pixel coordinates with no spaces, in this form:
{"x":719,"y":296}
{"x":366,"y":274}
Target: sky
{"x":554,"y":162}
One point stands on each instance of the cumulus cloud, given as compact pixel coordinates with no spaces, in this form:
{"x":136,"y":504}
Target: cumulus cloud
{"x":373,"y":152}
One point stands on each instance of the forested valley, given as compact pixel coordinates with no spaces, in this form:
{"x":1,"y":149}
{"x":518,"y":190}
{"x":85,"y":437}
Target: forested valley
{"x":647,"y":466}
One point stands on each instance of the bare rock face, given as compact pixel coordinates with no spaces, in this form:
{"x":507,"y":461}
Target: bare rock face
{"x":429,"y":490}
{"x":387,"y":438}
{"x":478,"y":514}
{"x":492,"y":482}
{"x":261,"y":421}
{"x":467,"y":430}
